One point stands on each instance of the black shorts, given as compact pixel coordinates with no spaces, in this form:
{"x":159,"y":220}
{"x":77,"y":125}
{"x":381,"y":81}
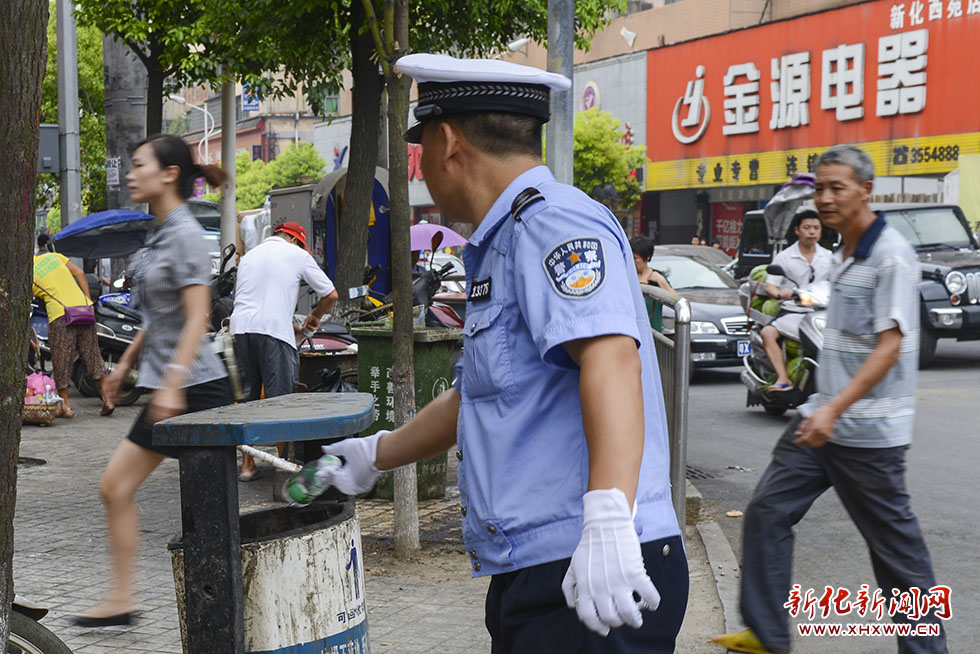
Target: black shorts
{"x":527,"y":613}
{"x":199,"y":397}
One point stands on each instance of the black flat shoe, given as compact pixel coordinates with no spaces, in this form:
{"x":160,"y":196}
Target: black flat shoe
{"x":105,"y":621}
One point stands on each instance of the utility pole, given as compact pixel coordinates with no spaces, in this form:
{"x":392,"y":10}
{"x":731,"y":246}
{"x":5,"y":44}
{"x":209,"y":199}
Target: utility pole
{"x":68,"y":130}
{"x":125,"y":125}
{"x":125,"y":113}
{"x":229,"y":132}
{"x":561,"y":53}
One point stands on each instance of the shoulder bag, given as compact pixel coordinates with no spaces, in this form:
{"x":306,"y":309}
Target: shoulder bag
{"x":83,"y":314}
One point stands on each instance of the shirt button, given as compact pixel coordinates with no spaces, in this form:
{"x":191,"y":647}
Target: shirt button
{"x":476,"y":566}
{"x":491,"y":529}
{"x":473,"y":554}
{"x":462,"y":510}
{"x":459,"y":455}
{"x":666,"y":550}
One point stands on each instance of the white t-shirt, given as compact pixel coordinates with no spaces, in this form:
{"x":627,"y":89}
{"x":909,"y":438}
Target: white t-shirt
{"x":798,"y":269}
{"x":268,"y":285}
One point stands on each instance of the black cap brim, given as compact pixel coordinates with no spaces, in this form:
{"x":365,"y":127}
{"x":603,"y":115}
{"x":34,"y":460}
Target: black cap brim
{"x":414,"y":133}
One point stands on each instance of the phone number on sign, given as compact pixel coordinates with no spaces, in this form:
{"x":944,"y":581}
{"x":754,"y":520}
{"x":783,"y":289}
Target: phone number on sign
{"x":903,"y":154}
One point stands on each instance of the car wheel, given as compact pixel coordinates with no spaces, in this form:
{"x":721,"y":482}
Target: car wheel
{"x":927,"y":347}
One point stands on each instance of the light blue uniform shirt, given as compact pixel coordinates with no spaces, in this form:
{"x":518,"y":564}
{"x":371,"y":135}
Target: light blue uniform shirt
{"x":562,"y":271}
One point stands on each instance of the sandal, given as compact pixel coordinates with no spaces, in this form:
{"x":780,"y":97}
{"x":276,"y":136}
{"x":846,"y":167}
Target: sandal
{"x":108,"y":408}
{"x":780,"y":387}
{"x":65,"y":413}
{"x":258,"y":474}
{"x":741,"y":641}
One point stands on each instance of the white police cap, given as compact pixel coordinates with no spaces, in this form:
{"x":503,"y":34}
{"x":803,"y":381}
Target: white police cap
{"x":448,"y":85}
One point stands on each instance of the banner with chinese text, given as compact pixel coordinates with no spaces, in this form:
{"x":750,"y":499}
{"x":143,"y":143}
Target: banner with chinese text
{"x":754,"y":106}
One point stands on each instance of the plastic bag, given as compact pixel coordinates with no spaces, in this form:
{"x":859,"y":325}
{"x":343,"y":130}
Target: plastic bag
{"x":36,"y":382}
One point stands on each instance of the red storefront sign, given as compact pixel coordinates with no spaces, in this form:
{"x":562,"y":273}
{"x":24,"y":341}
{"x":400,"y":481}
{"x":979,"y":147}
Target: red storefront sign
{"x":884,"y":72}
{"x":726,"y":225}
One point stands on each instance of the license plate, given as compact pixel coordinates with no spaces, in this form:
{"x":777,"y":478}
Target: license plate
{"x":743,"y":348}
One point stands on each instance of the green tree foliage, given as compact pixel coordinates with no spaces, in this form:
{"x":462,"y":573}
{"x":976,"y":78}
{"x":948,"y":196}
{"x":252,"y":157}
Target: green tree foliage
{"x":165,"y":35}
{"x":308,"y":39}
{"x":54,"y":219}
{"x":602,"y":159}
{"x":254,"y":179}
{"x":299,"y":163}
{"x":91,"y":105}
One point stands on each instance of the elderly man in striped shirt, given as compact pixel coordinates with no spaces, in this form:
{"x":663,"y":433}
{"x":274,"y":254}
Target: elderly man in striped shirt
{"x":852,"y":434}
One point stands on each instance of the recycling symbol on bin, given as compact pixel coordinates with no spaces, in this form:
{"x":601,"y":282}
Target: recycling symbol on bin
{"x":439,"y":387}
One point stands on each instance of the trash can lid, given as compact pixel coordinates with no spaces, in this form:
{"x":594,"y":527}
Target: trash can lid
{"x":296,"y":417}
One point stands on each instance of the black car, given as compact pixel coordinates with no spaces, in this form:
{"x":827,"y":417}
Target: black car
{"x":719,"y":327}
{"x":949,"y":259}
{"x":756,"y":249}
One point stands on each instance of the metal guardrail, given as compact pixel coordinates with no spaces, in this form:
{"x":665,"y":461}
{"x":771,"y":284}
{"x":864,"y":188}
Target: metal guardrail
{"x":674,"y":359}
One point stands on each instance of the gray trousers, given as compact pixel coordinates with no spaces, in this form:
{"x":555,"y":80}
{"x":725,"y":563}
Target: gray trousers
{"x":267,"y":362}
{"x":871,"y":486}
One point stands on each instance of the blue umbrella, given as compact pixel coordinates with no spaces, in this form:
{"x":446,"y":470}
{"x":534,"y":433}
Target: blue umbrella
{"x":112,"y":233}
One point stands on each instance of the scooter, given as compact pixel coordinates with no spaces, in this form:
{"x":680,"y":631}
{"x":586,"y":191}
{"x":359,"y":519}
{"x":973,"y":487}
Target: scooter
{"x":800,"y":356}
{"x":27,"y":635}
{"x":116,"y":326}
{"x":424,"y":288}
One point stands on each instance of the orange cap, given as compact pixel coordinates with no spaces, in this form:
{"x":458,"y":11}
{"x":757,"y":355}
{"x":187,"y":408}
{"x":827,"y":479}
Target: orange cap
{"x":295,"y":230}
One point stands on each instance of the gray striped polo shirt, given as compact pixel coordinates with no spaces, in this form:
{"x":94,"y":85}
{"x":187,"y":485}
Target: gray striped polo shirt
{"x":175,"y":256}
{"x":874,"y":290}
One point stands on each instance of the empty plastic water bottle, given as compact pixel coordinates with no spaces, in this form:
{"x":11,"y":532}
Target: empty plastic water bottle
{"x":303,"y":487}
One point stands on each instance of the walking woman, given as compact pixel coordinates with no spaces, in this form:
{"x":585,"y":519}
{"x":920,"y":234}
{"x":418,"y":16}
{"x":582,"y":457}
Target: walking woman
{"x":173,"y":274}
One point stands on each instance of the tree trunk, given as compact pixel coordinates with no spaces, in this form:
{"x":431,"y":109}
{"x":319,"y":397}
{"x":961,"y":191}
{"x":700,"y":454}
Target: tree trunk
{"x":402,"y":369}
{"x":154,"y":100}
{"x":352,"y":221}
{"x":23,"y":25}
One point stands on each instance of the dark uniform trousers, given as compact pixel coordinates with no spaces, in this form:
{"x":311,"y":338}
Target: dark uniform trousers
{"x":871,"y":485}
{"x":527,"y":613}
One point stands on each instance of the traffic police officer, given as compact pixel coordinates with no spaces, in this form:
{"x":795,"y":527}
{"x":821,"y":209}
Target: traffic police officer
{"x":558,"y":412}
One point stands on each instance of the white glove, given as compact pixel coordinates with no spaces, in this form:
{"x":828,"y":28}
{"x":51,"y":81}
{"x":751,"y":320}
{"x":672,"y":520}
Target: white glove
{"x":607,"y":567}
{"x":358,"y":474}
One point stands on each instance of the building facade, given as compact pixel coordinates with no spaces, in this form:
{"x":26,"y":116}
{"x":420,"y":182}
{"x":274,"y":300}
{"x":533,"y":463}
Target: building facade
{"x":264,"y":127}
{"x":733,"y":116}
{"x":731,"y":97}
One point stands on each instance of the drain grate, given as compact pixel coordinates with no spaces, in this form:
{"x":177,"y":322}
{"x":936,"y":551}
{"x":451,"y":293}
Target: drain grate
{"x":28,"y":462}
{"x":694,"y":473}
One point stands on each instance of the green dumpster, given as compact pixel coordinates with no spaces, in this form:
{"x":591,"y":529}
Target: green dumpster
{"x":435,"y":352}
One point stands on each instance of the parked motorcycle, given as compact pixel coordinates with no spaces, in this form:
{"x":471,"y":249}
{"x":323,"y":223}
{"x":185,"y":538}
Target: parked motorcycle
{"x":800,"y":356}
{"x":27,"y":635}
{"x":424,"y":287}
{"x":116,"y":326}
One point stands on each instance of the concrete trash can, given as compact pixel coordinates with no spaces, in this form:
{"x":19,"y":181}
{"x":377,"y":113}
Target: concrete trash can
{"x":435,"y":353}
{"x":302,"y":579}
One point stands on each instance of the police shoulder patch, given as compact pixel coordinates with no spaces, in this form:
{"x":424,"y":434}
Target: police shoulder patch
{"x":576,"y":267}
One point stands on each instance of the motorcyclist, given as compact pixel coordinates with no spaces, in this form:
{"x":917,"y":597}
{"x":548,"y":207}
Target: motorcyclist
{"x":803,"y":263}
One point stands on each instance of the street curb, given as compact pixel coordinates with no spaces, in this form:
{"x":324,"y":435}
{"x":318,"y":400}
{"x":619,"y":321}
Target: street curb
{"x":721,"y":558}
{"x":693,"y":506}
{"x":726,"y":570}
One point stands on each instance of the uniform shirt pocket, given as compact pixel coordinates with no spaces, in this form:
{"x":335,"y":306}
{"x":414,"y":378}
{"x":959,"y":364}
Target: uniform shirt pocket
{"x":855,"y":313}
{"x":486,"y":354}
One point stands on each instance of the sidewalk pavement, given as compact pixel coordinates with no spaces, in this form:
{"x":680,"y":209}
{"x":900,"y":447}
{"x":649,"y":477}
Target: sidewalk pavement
{"x":61,"y":558}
